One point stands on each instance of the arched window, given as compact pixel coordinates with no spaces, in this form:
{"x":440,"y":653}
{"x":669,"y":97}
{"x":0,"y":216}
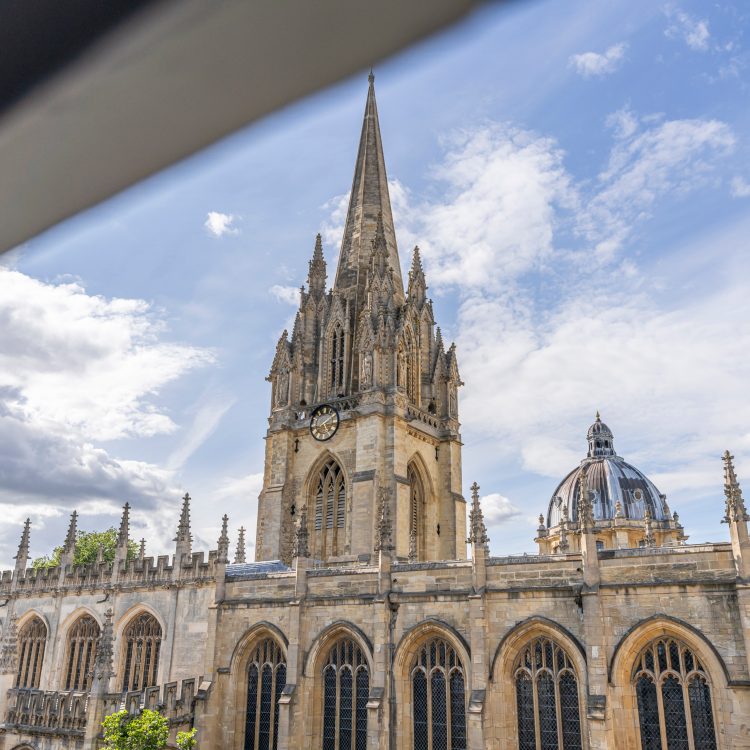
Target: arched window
{"x":416,"y":510}
{"x":438,"y":698}
{"x":346,"y":690}
{"x":31,"y":641}
{"x":266,"y":678}
{"x":329,"y":520}
{"x":674,"y":698}
{"x":79,"y":662}
{"x":549,"y":717}
{"x":336,"y":351}
{"x":142,"y":639}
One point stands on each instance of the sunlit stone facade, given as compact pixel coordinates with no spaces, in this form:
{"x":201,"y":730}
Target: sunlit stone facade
{"x":363,"y":623}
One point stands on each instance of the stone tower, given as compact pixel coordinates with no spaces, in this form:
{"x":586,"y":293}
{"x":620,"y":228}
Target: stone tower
{"x":364,"y":398}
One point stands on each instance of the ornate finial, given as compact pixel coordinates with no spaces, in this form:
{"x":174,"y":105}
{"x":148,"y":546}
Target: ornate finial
{"x":299,"y":546}
{"x":585,"y":506}
{"x":735,"y":509}
{"x":648,"y":540}
{"x":142,"y":550}
{"x":183,"y":528}
{"x":239,"y":553}
{"x":476,"y":520}
{"x":23,"y":548}
{"x":223,"y":543}
{"x":9,"y":654}
{"x":541,"y":521}
{"x":72,"y":535}
{"x":316,"y":276}
{"x":371,"y":77}
{"x":598,"y":417}
{"x":618,"y":510}
{"x":105,"y":650}
{"x":384,"y":530}
{"x":413,"y":546}
{"x":123,"y":537}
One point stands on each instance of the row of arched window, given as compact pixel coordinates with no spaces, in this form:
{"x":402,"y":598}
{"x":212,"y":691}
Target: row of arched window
{"x":141,"y":641}
{"x":673,"y":697}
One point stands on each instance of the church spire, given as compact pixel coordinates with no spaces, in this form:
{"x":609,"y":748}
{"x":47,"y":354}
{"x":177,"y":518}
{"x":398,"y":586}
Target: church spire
{"x":369,"y":199}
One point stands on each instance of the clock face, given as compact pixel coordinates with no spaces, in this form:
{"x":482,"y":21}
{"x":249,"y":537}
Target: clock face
{"x":324,"y":422}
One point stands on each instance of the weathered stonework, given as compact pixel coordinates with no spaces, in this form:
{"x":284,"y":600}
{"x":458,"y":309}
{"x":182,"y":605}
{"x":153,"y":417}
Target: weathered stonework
{"x":362,"y":541}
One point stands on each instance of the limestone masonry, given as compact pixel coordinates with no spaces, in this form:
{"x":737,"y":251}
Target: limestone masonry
{"x":363,"y":624}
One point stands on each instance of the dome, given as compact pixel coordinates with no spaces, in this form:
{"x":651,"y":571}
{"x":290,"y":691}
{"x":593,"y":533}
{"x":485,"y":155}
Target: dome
{"x":611,"y":480}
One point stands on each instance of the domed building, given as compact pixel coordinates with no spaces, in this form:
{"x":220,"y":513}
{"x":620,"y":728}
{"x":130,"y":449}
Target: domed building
{"x":628,"y":509}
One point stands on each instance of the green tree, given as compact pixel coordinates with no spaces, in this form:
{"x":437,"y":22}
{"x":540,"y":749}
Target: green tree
{"x":87,"y":547}
{"x":186,"y":740}
{"x":147,"y":731}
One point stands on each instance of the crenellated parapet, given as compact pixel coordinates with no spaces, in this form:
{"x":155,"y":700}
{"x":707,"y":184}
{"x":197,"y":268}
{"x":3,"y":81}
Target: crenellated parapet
{"x":56,"y":712}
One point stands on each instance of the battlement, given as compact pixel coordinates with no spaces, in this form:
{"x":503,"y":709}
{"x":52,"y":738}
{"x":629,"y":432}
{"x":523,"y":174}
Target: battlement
{"x":173,"y":700}
{"x":139,"y":572}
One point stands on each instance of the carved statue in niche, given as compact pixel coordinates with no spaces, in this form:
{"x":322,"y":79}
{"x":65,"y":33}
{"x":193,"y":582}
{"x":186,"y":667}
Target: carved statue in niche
{"x":282,"y":388}
{"x":366,"y":371}
{"x":452,"y":401}
{"x":401,"y":372}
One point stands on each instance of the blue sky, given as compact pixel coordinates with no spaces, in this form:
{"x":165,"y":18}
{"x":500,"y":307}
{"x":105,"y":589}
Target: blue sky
{"x":577,"y":176}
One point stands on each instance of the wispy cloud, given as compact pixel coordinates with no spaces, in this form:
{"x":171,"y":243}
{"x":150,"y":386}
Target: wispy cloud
{"x":219,"y":224}
{"x":740,"y":187}
{"x":693,"y":31}
{"x":596,"y":64}
{"x":289,"y":295}
{"x":206,"y":420}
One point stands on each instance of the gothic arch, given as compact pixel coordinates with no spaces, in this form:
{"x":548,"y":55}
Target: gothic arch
{"x":239,"y":665}
{"x":131,"y":657}
{"x":424,"y":514}
{"x":405,"y":663}
{"x":502,"y":710}
{"x":33,"y":634}
{"x":327,"y":637}
{"x":327,"y":492}
{"x":628,"y":651}
{"x":317,"y":701}
{"x":70,"y":656}
{"x":29,"y":614}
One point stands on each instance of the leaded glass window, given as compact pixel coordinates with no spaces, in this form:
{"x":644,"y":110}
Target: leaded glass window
{"x":674,"y":698}
{"x":438,"y":698}
{"x":549,"y":715}
{"x":346,"y":690}
{"x":329,"y":519}
{"x":142,"y":641}
{"x":32,"y":639}
{"x":79,"y":662}
{"x":266,"y":678}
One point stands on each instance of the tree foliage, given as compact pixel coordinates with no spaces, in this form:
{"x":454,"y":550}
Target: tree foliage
{"x":87,"y":547}
{"x":147,"y":731}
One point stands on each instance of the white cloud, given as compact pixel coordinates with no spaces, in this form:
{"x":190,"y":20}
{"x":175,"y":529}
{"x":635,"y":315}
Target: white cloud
{"x":287,"y":294}
{"x":693,"y":31}
{"x":219,"y":224}
{"x":590,"y":64}
{"x":740,"y":187}
{"x":77,"y":370}
{"x":498,"y":508}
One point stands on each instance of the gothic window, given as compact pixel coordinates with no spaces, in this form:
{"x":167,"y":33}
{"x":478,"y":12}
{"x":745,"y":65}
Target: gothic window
{"x":142,"y":639}
{"x":346,"y":690}
{"x":549,"y":717}
{"x":79,"y":662}
{"x":416,"y":508}
{"x":31,"y":642}
{"x":266,"y":678}
{"x":337,"y":360}
{"x":438,"y":698}
{"x":329,"y":520}
{"x":674,"y":698}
